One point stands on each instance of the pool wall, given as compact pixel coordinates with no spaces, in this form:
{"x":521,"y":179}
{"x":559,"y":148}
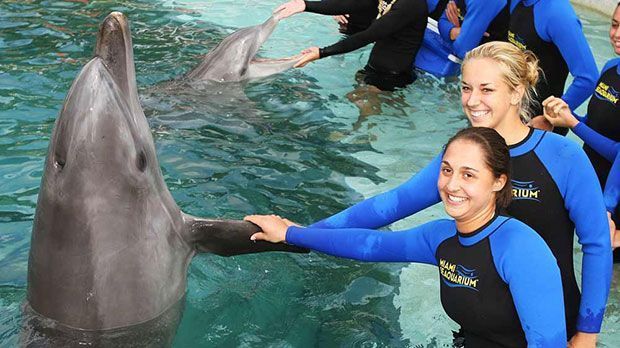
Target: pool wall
{"x":605,"y":6}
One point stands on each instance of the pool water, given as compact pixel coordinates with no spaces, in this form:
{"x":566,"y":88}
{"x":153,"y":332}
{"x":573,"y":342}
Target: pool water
{"x":304,"y":144}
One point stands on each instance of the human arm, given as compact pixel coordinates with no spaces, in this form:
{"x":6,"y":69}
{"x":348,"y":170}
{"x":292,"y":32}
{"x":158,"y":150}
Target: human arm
{"x":583,"y":200}
{"x":417,"y":193}
{"x":415,"y":245}
{"x":573,"y":47}
{"x":611,"y":193}
{"x":525,"y":263}
{"x":475,"y":23}
{"x":328,"y":7}
{"x":401,"y":14}
{"x":449,"y":24}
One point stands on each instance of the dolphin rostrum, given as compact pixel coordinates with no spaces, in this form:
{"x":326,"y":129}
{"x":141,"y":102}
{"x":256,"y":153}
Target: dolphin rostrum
{"x":110,"y":247}
{"x":234,"y":59}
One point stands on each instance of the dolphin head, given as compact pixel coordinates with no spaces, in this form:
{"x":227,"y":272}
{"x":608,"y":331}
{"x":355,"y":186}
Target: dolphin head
{"x":110,"y":247}
{"x":234,"y":59}
{"x":103,"y":202}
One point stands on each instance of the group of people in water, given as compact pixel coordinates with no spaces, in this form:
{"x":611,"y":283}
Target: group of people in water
{"x":516,"y":194}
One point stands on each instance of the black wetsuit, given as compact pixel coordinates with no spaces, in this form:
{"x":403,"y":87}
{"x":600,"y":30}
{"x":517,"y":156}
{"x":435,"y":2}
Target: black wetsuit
{"x":551,"y":29}
{"x":397,"y":32}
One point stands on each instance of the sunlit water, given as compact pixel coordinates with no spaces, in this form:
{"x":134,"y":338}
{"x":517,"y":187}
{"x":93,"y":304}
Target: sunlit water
{"x":294,"y":144}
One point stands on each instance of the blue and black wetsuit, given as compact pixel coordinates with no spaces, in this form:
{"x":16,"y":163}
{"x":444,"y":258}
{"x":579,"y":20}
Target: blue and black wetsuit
{"x":397,"y":33}
{"x":609,"y":150}
{"x":604,"y":114}
{"x":476,"y":17}
{"x":555,"y":192}
{"x":552,"y":30}
{"x":500,"y":283}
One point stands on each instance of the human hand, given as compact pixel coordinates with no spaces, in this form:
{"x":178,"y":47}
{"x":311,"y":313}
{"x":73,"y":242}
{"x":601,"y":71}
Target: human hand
{"x":452,"y":12}
{"x":583,"y":340}
{"x":613,"y":232}
{"x":541,"y":122}
{"x":558,"y":113}
{"x":342,"y":19}
{"x":454,"y":33}
{"x":273,"y":228}
{"x":289,"y":8}
{"x":309,"y":55}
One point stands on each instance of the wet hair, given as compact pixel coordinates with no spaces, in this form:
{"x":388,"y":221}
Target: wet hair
{"x":519,"y":68}
{"x":496,"y":157}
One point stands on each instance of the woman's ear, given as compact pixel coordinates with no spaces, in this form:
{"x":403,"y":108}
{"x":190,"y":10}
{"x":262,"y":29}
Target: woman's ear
{"x":499,"y":183}
{"x":517,"y":95}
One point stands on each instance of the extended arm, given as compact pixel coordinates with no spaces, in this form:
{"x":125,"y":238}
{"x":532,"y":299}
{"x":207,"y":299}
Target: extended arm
{"x":392,"y":22}
{"x":416,"y":245}
{"x":477,"y":19}
{"x":575,"y":50}
{"x":338,"y":7}
{"x":612,"y":186}
{"x":416,"y":194}
{"x":601,"y":144}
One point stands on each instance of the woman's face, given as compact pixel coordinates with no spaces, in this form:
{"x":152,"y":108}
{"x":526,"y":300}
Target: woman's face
{"x":466,"y":184}
{"x":614,"y":31}
{"x":487,"y":100}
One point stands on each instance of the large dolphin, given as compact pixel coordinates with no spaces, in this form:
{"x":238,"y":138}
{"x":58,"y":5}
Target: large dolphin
{"x":110,"y":247}
{"x":234,"y":59}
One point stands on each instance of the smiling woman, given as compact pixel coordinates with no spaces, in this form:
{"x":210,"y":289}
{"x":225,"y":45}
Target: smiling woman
{"x":519,"y":297}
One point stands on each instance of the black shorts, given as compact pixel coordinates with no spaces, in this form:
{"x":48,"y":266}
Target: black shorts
{"x":385,"y":81}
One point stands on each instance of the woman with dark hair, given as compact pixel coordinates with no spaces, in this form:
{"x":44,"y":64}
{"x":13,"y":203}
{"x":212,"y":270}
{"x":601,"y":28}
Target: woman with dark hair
{"x":499,"y":280}
{"x":555,"y":190}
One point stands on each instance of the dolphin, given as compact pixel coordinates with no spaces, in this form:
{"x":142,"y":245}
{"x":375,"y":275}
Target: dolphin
{"x":110,"y":247}
{"x":234,"y":59}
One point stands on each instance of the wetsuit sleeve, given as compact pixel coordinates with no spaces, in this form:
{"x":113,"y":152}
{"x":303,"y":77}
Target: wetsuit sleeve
{"x":612,"y":186}
{"x":523,"y":260}
{"x":415,"y":245}
{"x":445,"y":26}
{"x":339,"y":7}
{"x":401,"y":14}
{"x":601,"y":144}
{"x":416,"y":194}
{"x":477,"y":19}
{"x":573,"y":46}
{"x":583,"y":199}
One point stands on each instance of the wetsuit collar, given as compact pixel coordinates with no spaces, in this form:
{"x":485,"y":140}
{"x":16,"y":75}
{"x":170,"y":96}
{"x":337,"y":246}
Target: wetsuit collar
{"x":469,"y":239}
{"x":528,"y":144}
{"x":529,"y":3}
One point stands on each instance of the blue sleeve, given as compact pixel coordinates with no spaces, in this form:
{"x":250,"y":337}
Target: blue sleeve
{"x":601,"y":144}
{"x":572,"y":172}
{"x":416,"y":194}
{"x":573,"y":46}
{"x":477,"y":19}
{"x":418,"y":244}
{"x":523,"y":260}
{"x":612,"y":186}
{"x":445,"y":26}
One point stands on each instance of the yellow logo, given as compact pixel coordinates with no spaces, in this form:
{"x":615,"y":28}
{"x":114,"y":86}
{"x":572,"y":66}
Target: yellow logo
{"x":516,"y":40}
{"x":458,"y":276}
{"x":527,"y":190}
{"x":607,"y":93}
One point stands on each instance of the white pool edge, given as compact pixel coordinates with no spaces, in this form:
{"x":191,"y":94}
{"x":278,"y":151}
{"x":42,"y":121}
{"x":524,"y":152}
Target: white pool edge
{"x":604,"y":6}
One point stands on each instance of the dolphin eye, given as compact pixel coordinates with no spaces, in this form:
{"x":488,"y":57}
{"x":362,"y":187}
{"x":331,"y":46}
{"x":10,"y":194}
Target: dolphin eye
{"x":59,"y":162}
{"x":141,"y":161}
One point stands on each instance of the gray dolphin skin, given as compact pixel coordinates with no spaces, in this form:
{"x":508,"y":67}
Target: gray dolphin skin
{"x":110,"y":247}
{"x":234,"y":59}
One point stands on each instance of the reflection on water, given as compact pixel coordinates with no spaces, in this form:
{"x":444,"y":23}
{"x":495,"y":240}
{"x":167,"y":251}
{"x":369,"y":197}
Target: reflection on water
{"x":293,"y":144}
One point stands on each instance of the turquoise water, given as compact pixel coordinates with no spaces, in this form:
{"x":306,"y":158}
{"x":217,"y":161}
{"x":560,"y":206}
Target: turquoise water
{"x":295,"y":144}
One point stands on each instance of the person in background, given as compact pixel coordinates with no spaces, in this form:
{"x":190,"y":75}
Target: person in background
{"x":555,"y":190}
{"x":499,"y":280}
{"x":397,"y":32}
{"x":469,"y":23}
{"x":552,"y":30}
